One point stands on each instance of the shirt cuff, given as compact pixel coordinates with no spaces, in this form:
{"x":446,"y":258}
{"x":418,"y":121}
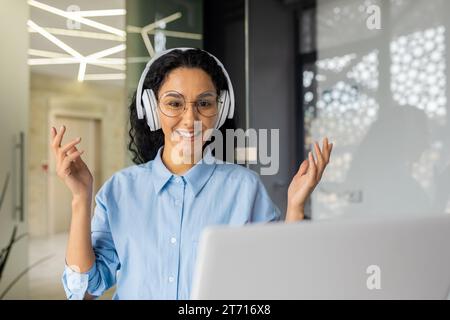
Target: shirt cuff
{"x":76,"y":283}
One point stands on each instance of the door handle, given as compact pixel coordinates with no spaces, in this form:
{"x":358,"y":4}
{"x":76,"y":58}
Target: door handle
{"x":21,"y":146}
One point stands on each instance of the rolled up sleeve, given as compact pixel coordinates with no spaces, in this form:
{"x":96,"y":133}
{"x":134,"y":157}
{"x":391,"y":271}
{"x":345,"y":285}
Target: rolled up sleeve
{"x":102,"y":275}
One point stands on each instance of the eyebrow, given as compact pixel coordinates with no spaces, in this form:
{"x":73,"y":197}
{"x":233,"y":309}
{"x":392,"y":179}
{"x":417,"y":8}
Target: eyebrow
{"x":176,"y":94}
{"x":206,"y":94}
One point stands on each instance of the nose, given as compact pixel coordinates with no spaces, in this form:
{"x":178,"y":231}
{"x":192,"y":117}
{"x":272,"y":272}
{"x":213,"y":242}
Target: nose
{"x":189,"y":116}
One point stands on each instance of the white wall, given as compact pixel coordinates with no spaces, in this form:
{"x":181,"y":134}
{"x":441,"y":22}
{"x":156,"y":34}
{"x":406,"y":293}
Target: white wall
{"x":14,"y":87}
{"x":50,"y":93}
{"x":386,"y":109}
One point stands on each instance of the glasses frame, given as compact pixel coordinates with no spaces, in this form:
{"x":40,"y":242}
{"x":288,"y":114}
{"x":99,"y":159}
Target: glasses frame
{"x":218,"y":101}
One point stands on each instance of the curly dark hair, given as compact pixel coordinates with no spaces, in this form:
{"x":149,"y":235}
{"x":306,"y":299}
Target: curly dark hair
{"x":144,"y":144}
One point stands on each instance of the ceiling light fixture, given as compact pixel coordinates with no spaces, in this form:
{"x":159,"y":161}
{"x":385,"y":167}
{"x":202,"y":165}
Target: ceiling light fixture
{"x":75,"y":17}
{"x":101,"y":13}
{"x":83,"y":34}
{"x":106,"y":76}
{"x":53,"y":39}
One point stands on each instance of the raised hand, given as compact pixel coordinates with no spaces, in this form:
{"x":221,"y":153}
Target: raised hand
{"x":70,"y":168}
{"x":306,"y":179}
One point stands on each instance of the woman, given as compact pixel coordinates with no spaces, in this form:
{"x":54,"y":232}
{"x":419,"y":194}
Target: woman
{"x":148,"y":217}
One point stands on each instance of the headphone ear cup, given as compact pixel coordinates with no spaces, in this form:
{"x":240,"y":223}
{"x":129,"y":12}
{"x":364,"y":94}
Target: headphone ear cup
{"x":154,"y":109}
{"x":151,"y":104}
{"x":230,"y":110}
{"x":223,"y":108}
{"x":148,"y":112}
{"x":226,"y":107}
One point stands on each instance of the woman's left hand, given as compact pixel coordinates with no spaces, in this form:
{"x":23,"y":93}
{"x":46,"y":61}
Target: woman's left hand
{"x":306,"y":179}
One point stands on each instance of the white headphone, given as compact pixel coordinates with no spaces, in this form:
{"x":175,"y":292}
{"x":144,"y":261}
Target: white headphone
{"x":148,"y":98}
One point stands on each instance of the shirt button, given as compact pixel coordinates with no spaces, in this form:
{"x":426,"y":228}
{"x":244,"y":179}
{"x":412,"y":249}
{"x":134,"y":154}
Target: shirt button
{"x":173,"y":240}
{"x":171,"y":279}
{"x":177,"y":202}
{"x":178,"y":180}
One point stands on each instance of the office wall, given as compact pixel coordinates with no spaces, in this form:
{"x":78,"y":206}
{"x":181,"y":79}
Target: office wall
{"x":13,"y":120}
{"x":49,"y":94}
{"x":224,"y":36}
{"x":271,"y":38}
{"x":382,"y":96}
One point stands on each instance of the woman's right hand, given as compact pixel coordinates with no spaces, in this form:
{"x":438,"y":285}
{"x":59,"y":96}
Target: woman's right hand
{"x":70,"y":168}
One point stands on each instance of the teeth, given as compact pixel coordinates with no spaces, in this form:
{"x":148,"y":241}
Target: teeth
{"x":188,"y":134}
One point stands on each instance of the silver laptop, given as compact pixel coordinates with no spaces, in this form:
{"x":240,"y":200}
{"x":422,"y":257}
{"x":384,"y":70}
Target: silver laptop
{"x":370,"y":258}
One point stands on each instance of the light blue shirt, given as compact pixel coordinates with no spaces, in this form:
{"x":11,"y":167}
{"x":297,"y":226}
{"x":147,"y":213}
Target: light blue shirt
{"x":148,"y":221}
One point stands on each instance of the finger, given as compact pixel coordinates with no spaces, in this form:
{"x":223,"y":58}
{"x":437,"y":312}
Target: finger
{"x":326,"y":150}
{"x":303,"y":168}
{"x":74,"y":156}
{"x":70,"y":145}
{"x":325,"y":144}
{"x":53,"y":132}
{"x":312,"y":170}
{"x":67,"y":162}
{"x":58,"y":138}
{"x":321,"y":162}
{"x":72,"y":150}
{"x":320,"y":159}
{"x":67,"y":172}
{"x":328,"y":153}
{"x":75,"y":161}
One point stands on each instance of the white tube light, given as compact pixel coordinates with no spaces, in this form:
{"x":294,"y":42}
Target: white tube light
{"x":55,"y":40}
{"x":101,"y":13}
{"x":73,"y":60}
{"x":47,"y":54}
{"x":82,"y":71}
{"x":72,"y":16}
{"x":106,"y":76}
{"x":82,"y":34}
{"x":107,"y":52}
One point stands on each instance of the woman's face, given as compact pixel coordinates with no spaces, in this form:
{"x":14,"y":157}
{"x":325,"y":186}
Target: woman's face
{"x":189,"y":87}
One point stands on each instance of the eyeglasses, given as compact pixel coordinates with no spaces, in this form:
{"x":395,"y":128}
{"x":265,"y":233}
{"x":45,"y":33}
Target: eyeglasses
{"x":173,"y":104}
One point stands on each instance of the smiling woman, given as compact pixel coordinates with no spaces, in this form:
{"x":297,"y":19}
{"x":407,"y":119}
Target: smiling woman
{"x":167,"y":80}
{"x":148,"y":217}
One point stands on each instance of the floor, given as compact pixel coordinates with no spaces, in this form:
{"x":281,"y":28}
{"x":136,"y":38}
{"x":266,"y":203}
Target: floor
{"x":46,"y":255}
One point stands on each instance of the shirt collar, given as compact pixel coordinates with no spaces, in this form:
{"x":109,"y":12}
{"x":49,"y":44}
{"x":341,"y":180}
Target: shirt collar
{"x":161,"y":175}
{"x":196,"y":177}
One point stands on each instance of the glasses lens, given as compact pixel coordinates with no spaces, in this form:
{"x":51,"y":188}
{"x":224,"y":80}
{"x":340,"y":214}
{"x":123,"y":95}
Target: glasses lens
{"x":207,"y":107}
{"x":172,"y":105}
